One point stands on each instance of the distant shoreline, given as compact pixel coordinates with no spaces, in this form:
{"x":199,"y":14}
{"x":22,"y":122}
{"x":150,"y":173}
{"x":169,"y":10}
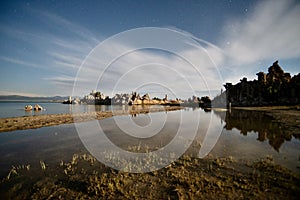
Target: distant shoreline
{"x":38,"y":121}
{"x":30,"y":101}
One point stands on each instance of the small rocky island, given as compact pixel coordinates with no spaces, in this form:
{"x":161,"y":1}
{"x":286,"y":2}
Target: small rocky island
{"x":98,"y":98}
{"x":270,"y":89}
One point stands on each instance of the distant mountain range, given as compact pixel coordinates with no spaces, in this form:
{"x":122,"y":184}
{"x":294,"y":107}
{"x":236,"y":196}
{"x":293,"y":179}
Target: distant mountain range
{"x":26,"y":98}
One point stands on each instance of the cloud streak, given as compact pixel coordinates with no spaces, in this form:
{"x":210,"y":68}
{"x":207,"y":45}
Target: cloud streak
{"x":71,"y":27}
{"x":125,"y":63}
{"x":19,"y":62}
{"x":271,"y":32}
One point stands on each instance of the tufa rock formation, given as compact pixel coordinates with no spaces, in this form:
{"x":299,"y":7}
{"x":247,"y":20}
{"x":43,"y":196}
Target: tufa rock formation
{"x":274,"y":88}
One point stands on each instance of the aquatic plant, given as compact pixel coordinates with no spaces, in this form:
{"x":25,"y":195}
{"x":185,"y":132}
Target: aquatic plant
{"x":43,"y":165}
{"x":11,"y":172}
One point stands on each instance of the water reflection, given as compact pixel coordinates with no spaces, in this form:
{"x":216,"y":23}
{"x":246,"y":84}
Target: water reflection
{"x":256,"y":121}
{"x":135,"y":110}
{"x":56,"y":143}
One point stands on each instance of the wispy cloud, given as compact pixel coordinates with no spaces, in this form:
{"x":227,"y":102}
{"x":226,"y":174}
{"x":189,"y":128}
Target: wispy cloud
{"x":62,"y":82}
{"x":72,"y":27}
{"x":74,"y":46}
{"x":19,"y":62}
{"x":271,"y":32}
{"x":115,"y":68}
{"x":61,"y":50}
{"x":66,"y":60}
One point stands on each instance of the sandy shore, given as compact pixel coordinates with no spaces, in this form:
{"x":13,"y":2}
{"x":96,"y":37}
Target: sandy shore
{"x":32,"y":122}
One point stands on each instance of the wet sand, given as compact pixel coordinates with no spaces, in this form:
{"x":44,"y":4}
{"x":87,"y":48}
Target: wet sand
{"x":32,"y":122}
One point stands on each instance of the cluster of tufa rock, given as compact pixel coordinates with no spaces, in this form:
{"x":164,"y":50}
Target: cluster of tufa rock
{"x":273,"y":88}
{"x":136,"y":99}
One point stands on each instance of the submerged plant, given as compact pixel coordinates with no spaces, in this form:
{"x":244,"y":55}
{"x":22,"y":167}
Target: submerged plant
{"x":13,"y":171}
{"x":43,"y":165}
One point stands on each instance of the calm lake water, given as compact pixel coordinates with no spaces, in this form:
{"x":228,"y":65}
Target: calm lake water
{"x":16,"y":109}
{"x":246,"y":135}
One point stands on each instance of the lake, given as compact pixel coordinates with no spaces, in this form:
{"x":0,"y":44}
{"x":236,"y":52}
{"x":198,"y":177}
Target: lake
{"x":245,"y":135}
{"x":16,"y":109}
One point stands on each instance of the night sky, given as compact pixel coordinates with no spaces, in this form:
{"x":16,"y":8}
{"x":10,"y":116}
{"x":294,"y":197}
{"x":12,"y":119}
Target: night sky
{"x":44,"y":43}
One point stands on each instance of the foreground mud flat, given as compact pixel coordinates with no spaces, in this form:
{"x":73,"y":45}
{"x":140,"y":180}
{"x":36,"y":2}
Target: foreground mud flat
{"x":83,"y":177}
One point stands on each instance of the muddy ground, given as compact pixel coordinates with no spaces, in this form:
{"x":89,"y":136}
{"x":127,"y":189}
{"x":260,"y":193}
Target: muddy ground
{"x":187,"y":178}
